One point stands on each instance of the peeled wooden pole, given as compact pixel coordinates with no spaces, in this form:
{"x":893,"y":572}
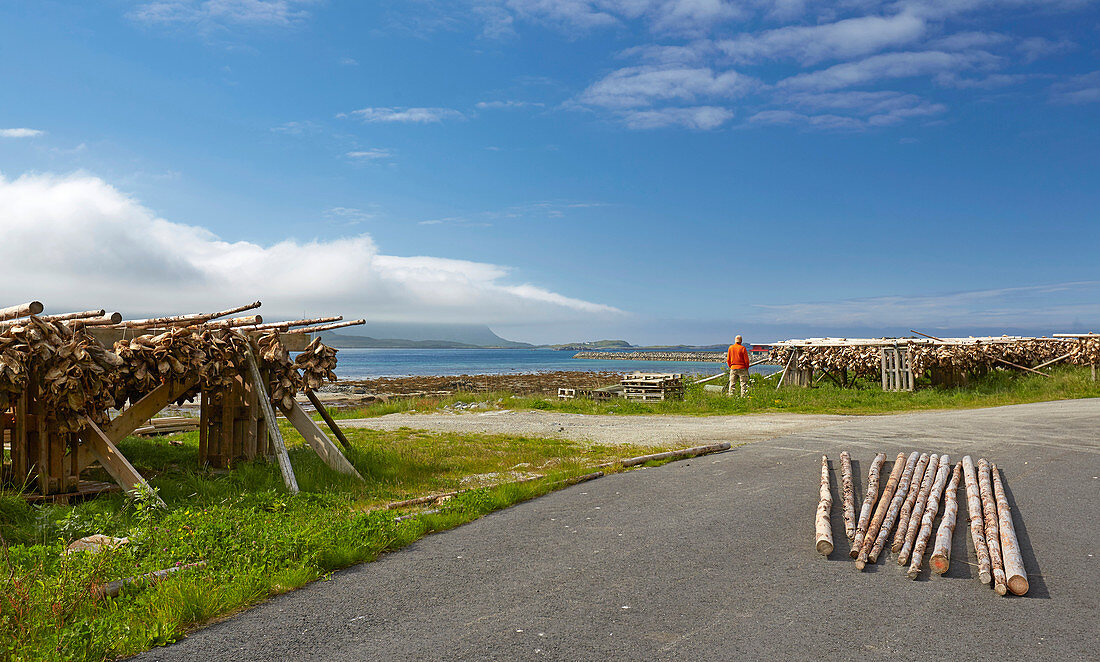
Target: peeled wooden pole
{"x":61,"y":317}
{"x":1010,"y":546}
{"x":21,"y":310}
{"x":915,"y":521}
{"x":940,"y":560}
{"x":824,"y":538}
{"x":977,"y":521}
{"x":869,"y":499}
{"x":910,"y":501}
{"x":849,"y":495}
{"x":282,"y":326}
{"x":928,"y":517}
{"x":900,"y":465}
{"x":895,"y":506}
{"x":992,"y":529}
{"x":234,"y":322}
{"x":104,"y":320}
{"x":328,"y":327}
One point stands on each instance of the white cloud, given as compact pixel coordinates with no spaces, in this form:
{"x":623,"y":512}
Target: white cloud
{"x":349,"y":62}
{"x":643,"y":86}
{"x":219,"y":13}
{"x":840,"y":40}
{"x":962,"y":41}
{"x":20,"y":133}
{"x":108,"y":250}
{"x":887,"y":66}
{"x":372,"y":154}
{"x":405,"y":115}
{"x":700,"y":117}
{"x":1077,"y":89}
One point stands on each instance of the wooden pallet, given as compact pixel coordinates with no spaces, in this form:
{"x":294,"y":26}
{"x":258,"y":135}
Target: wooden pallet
{"x":653,"y":387}
{"x":897,"y":371}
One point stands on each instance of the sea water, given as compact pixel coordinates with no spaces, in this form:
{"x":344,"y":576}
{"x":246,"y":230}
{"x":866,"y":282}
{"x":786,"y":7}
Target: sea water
{"x":368,"y":363}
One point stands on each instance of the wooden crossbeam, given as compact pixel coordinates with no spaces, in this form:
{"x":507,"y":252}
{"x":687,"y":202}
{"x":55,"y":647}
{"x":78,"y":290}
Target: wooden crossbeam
{"x":136,"y":414}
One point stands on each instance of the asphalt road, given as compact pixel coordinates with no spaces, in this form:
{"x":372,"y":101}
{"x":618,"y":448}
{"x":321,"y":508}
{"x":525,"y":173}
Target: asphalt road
{"x":713,"y":559}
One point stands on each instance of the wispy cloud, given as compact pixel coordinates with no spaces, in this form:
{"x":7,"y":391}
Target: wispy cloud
{"x":296,"y":128}
{"x":704,"y":118}
{"x":1077,"y":89}
{"x":887,"y":66}
{"x":1053,"y":307}
{"x":811,"y":44}
{"x":510,"y":104}
{"x":404,"y":115}
{"x":372,"y":154}
{"x":211,"y":14}
{"x":633,"y":87}
{"x":21,"y":133}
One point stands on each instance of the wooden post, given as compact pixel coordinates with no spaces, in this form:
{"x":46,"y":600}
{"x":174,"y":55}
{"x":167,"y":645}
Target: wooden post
{"x":794,"y":352}
{"x":940,"y":560}
{"x":317,"y":439}
{"x":824,"y":537}
{"x":992,"y":527}
{"x":849,"y":495}
{"x":116,"y":464}
{"x":900,"y":466}
{"x":1015,"y":574}
{"x":269,"y":418}
{"x":320,"y":407}
{"x":977,"y":520}
{"x":869,"y":499}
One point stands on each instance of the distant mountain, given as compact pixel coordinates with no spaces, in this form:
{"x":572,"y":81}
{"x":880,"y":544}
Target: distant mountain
{"x":422,"y":336}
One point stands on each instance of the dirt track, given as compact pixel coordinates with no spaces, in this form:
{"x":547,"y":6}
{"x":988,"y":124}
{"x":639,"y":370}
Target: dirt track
{"x":604,"y":429}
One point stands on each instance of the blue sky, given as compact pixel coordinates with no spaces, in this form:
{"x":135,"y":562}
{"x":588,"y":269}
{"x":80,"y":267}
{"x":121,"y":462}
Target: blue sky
{"x":657,"y":170}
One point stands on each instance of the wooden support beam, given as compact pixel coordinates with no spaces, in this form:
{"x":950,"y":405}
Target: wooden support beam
{"x":320,"y":407}
{"x":269,"y":419}
{"x":328,"y":327}
{"x":136,"y":414}
{"x":116,"y":464}
{"x":317,"y":439}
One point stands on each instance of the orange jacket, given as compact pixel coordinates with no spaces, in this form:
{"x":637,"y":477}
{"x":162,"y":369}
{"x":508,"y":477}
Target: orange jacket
{"x":737,"y":357}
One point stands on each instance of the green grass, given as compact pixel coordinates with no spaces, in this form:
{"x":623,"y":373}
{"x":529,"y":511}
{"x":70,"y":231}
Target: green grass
{"x":257,"y":539}
{"x":998,"y":387}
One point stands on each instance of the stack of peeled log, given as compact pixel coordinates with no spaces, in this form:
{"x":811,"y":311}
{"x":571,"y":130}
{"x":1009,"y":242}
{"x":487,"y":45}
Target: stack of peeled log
{"x":908,"y":505}
{"x":77,"y":376}
{"x":318,"y":363}
{"x":285,"y":380}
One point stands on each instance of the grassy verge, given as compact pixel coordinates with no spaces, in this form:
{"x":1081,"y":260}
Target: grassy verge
{"x":257,"y":540}
{"x":999,"y":387}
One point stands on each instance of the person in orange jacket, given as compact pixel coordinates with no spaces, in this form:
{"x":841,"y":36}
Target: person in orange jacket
{"x":737,"y":358}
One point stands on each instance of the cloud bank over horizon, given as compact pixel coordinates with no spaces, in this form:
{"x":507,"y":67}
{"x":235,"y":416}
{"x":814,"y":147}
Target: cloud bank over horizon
{"x":86,"y":244}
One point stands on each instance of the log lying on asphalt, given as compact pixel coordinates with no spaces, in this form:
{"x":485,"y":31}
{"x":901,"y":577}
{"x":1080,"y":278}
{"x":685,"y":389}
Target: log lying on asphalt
{"x":849,"y":495}
{"x":992,"y":528}
{"x":910,"y":500}
{"x":900,"y":464}
{"x":928,"y":516}
{"x":940,"y":560}
{"x":824,"y":538}
{"x":669,"y":455}
{"x":21,"y":310}
{"x":895,"y":506}
{"x":977,"y":520}
{"x":913,"y":525}
{"x":1015,"y":575}
{"x":869,"y":500}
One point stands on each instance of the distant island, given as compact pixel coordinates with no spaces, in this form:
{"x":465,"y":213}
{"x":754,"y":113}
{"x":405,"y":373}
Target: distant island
{"x":388,"y":335}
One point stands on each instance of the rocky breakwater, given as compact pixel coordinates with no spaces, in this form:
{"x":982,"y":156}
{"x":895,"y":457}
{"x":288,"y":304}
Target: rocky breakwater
{"x":715,"y":357}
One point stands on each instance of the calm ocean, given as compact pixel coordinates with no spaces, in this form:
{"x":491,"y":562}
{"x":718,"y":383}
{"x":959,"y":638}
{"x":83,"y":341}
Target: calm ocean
{"x":367,"y":363}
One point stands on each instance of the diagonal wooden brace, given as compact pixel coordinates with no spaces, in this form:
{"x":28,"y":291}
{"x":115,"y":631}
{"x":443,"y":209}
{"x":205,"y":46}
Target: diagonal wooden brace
{"x":109,"y":457}
{"x":136,"y":414}
{"x":317,"y":439}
